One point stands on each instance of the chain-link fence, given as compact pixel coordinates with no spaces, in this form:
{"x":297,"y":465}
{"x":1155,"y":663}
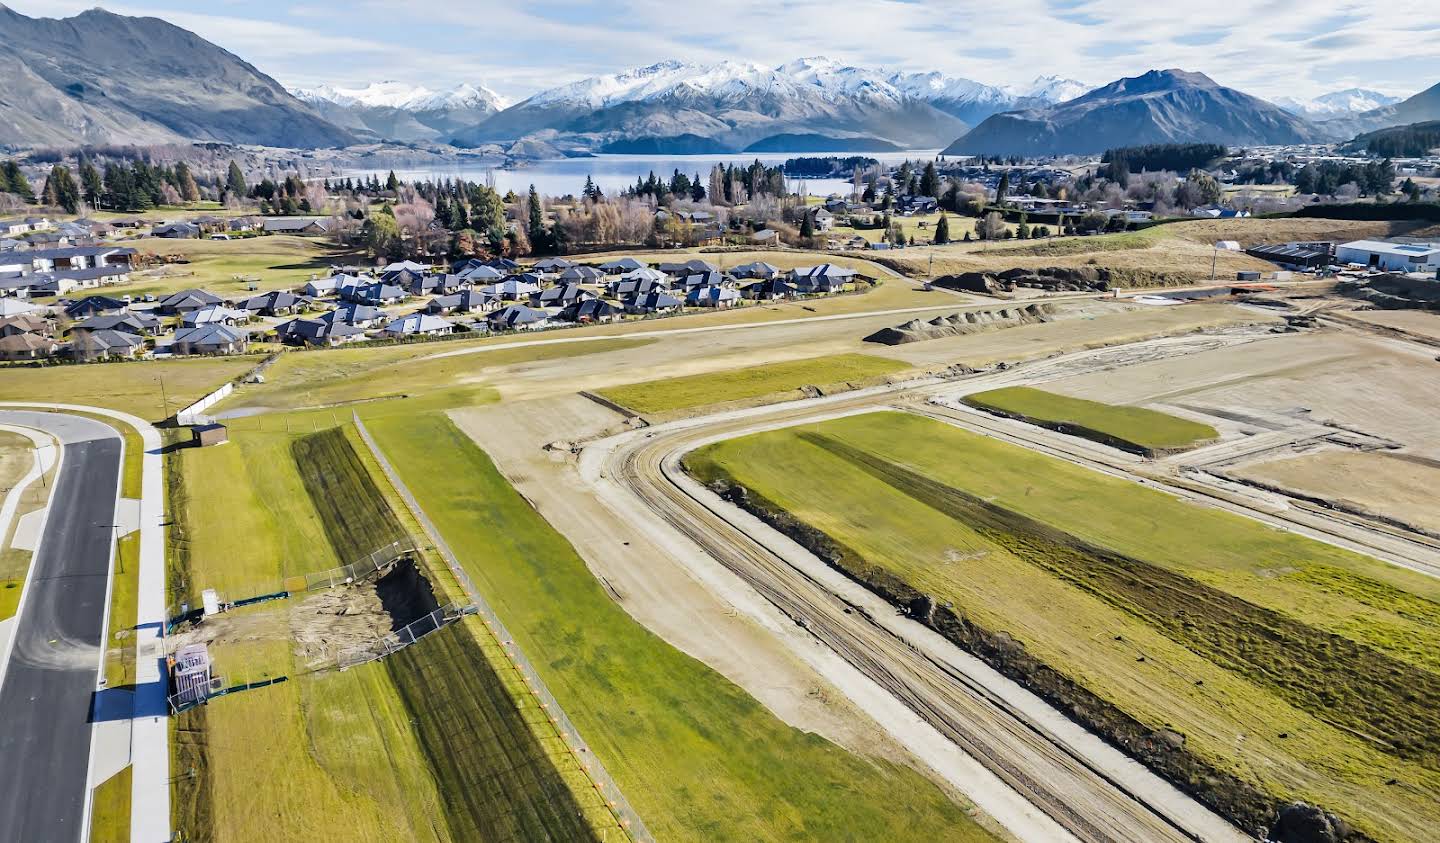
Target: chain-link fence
{"x":625,"y":817}
{"x":403,"y":637}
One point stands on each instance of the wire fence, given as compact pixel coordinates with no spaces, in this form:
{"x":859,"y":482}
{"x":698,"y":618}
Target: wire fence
{"x":403,"y":637}
{"x":625,"y":816}
{"x":371,"y":565}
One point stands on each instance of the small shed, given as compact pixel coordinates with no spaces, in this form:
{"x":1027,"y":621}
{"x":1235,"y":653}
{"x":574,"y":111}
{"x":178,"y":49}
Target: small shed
{"x":209,"y":434}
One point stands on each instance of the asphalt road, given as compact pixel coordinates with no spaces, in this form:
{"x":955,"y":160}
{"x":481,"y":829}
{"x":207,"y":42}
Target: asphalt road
{"x":47,"y":686}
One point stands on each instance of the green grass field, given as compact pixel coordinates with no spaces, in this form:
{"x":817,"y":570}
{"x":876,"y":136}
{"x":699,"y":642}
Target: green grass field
{"x":110,"y":809}
{"x":775,"y":379}
{"x":1303,"y":670}
{"x":346,"y":375}
{"x":697,"y":757}
{"x":148,"y":389}
{"x":1131,"y":428}
{"x":124,"y":596}
{"x":226,"y":267}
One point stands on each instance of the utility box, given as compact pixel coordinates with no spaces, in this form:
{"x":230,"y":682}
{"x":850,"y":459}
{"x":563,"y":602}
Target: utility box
{"x":210,"y":599}
{"x":209,"y":434}
{"x":190,"y":675}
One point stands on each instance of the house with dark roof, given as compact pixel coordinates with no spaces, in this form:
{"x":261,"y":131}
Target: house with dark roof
{"x":552,"y":265}
{"x":364,"y":315}
{"x":465,"y":301}
{"x":95,"y":306}
{"x":176,"y":231}
{"x":518,"y":317}
{"x":620,"y":266}
{"x":758,"y":269}
{"x":689,"y":267}
{"x":825,"y":278}
{"x":479,"y":273}
{"x":582,"y":275}
{"x":769,"y":290}
{"x":187,"y":301}
{"x":214,"y":338}
{"x":103,"y":345}
{"x":419,"y":325}
{"x":215,"y":314}
{"x":137,"y":323}
{"x":590,"y":310}
{"x":318,"y":332}
{"x":560,"y":295}
{"x":713,"y":278}
{"x":378,"y":293}
{"x":275,"y":303}
{"x":301,"y":226}
{"x":654,"y":301}
{"x":712,"y":296}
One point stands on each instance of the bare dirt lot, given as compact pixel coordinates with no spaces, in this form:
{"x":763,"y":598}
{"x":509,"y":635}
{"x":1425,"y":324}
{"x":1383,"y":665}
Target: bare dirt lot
{"x":1371,"y":482}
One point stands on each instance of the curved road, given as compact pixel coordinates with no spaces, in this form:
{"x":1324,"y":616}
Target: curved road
{"x":47,"y":683}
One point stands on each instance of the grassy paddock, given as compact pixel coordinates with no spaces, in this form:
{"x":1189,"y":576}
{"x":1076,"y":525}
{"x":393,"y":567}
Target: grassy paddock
{"x":148,"y":389}
{"x":110,"y":809}
{"x":1293,"y":667}
{"x":277,"y":261}
{"x":697,"y":757}
{"x":777,"y":379}
{"x":1132,"y":428}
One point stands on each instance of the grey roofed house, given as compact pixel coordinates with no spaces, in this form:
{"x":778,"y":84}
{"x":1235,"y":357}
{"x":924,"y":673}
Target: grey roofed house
{"x":518,"y":317}
{"x":582,"y":274}
{"x":215,"y":314}
{"x":758,"y":269}
{"x":130,"y":323}
{"x":413,"y":266}
{"x":770,"y":288}
{"x":297,"y":225}
{"x":26,"y":346}
{"x":704,"y":279}
{"x":176,"y":231}
{"x":479,"y":272}
{"x":711,"y":296}
{"x":515,"y":287}
{"x":64,"y":280}
{"x":419,"y":324}
{"x":464,"y":301}
{"x":402,"y":277}
{"x":377,"y":293}
{"x":318,"y":332}
{"x":619,"y":266}
{"x":24,"y":323}
{"x":95,"y":306}
{"x":355,"y":314}
{"x":95,"y":345}
{"x":503,"y":264}
{"x":825,"y":278}
{"x":689,"y":267}
{"x":643,"y":273}
{"x":654,"y":301}
{"x":552,"y":265}
{"x":186,"y":301}
{"x":560,"y":295}
{"x":627,"y":287}
{"x":322,"y":286}
{"x":213,"y":338}
{"x":274,"y":303}
{"x":77,"y":257}
{"x":590,"y":310}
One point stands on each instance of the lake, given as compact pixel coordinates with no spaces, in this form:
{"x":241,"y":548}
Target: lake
{"x":614,"y":173}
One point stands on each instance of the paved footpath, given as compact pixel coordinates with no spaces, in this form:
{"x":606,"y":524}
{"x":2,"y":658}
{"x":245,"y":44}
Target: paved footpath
{"x":148,"y":721}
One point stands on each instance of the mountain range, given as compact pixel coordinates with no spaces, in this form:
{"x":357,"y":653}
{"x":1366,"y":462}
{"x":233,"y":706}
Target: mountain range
{"x":99,"y":77}
{"x":103,"y":78}
{"x":1162,"y":106}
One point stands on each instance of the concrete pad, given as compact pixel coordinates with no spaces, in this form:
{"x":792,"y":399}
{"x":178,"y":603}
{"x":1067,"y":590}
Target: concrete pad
{"x":27,"y":530}
{"x":127,"y":515}
{"x":109,"y":749}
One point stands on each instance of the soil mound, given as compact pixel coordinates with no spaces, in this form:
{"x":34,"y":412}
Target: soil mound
{"x":1394,"y":292}
{"x":967,"y":322}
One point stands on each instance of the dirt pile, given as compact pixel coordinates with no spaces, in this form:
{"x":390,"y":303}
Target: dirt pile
{"x":1394,"y":292}
{"x":967,"y":322}
{"x":1049,"y":278}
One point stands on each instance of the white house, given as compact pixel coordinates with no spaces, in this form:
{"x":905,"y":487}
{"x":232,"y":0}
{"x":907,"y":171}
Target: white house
{"x":1394,"y":257}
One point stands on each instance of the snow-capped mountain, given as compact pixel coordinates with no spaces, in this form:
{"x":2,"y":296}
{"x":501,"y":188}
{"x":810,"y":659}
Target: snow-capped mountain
{"x":812,"y":103}
{"x":401,"y":112}
{"x":1049,"y":90}
{"x":1337,"y":104}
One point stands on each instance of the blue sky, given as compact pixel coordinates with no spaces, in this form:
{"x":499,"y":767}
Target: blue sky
{"x":1272,"y":48}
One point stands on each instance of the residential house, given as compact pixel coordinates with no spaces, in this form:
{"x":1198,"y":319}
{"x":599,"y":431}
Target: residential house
{"x":95,"y":306}
{"x":479,"y":273}
{"x":61,"y":281}
{"x":364,"y":315}
{"x":27,"y":346}
{"x":822,"y":219}
{"x":176,"y":231}
{"x":514,"y":288}
{"x":638,"y":285}
{"x":561,"y":295}
{"x":620,"y":266}
{"x":14,"y":307}
{"x":403,"y":266}
{"x":71,"y":257}
{"x":275,"y":303}
{"x":16,"y":286}
{"x":214,"y":338}
{"x":689,"y":267}
{"x":240,"y":225}
{"x":758,"y":269}
{"x":713,"y":278}
{"x":419,"y":325}
{"x":300,"y":226}
{"x":306,"y":331}
{"x":503,"y":264}
{"x":13,"y":228}
{"x":769,"y":290}
{"x":518,"y":317}
{"x":590,"y":310}
{"x":403,"y":277}
{"x":23,"y":323}
{"x":137,"y":323}
{"x":654,"y":301}
{"x":552,"y":265}
{"x":465,"y":301}
{"x":712,"y":296}
{"x":102,"y":345}
{"x":378,"y":293}
{"x":188,"y":301}
{"x":582,"y":275}
{"x":825,"y":278}
{"x":217,"y":314}
{"x":766,"y":237}
{"x":917,"y":205}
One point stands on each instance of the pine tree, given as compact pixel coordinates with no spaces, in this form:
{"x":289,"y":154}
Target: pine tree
{"x":4,"y":181}
{"x":61,"y":191}
{"x":930,"y":181}
{"x":18,"y":184}
{"x":1022,"y":230}
{"x":807,"y":227}
{"x":942,"y":231}
{"x":91,"y":185}
{"x":392,"y":184}
{"x":1003,"y":189}
{"x":235,"y":181}
{"x":537,"y":234}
